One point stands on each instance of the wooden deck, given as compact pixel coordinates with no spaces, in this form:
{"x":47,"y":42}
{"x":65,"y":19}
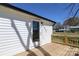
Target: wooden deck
{"x":51,"y":49}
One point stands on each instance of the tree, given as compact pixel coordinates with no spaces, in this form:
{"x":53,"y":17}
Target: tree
{"x":73,"y":9}
{"x":58,"y":26}
{"x":73,"y":21}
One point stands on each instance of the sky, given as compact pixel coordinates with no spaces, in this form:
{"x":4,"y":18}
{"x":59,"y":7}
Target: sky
{"x":56,"y":12}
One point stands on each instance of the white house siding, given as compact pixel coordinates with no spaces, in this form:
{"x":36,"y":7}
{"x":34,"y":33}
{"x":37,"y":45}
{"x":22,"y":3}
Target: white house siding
{"x":10,"y":42}
{"x":16,"y":31}
{"x":45,"y":34}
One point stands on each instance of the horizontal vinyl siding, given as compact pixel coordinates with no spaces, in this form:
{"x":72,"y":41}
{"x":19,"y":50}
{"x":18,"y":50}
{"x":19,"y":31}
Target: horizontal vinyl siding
{"x":9,"y":41}
{"x":45,"y":34}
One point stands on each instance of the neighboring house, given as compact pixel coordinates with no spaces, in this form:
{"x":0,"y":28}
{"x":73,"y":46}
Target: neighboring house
{"x":70,"y":28}
{"x":62,"y":30}
{"x":74,"y":28}
{"x":21,"y":30}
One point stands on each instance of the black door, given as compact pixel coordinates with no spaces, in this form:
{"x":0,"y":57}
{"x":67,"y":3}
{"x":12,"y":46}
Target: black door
{"x":35,"y":31}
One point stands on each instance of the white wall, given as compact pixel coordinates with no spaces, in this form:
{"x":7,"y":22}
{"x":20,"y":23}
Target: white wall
{"x":10,"y":43}
{"x":16,"y":36}
{"x":45,"y":34}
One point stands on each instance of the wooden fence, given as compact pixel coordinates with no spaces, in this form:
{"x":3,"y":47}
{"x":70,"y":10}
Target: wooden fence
{"x":72,"y":39}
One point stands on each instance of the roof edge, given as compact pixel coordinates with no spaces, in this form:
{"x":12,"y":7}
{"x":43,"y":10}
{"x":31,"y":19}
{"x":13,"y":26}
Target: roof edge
{"x":24,"y":11}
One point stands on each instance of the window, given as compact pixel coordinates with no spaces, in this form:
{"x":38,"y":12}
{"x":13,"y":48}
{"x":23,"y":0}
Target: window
{"x":35,"y":31}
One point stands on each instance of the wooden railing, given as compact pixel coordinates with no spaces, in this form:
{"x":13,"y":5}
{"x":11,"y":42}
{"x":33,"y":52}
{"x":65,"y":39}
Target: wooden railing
{"x":66,"y":39}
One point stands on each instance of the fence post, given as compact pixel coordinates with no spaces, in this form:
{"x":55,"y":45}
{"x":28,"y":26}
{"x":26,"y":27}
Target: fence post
{"x":65,"y":38}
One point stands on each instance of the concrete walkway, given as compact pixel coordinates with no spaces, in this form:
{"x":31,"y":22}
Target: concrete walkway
{"x":51,"y":49}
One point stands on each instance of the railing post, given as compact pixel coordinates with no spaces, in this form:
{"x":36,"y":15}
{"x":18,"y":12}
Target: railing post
{"x":65,"y":38}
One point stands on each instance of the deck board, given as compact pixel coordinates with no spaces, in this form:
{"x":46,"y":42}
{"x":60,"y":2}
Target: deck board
{"x":51,"y":49}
